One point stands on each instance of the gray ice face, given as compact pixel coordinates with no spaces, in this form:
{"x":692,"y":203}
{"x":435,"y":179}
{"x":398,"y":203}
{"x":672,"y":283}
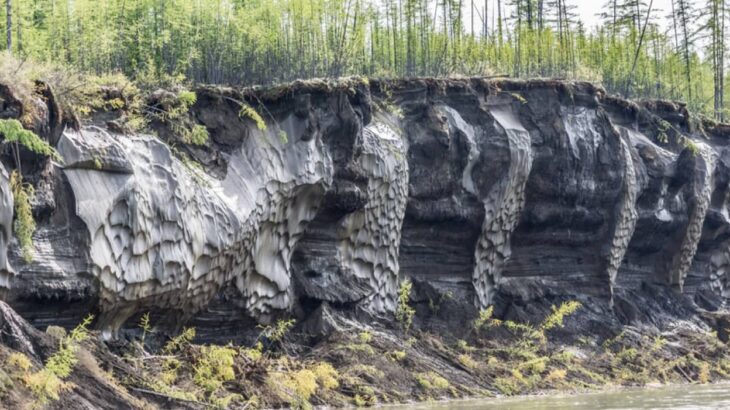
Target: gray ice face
{"x":6,"y":227}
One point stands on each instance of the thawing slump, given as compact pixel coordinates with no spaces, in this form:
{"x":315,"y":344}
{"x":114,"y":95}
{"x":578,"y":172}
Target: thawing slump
{"x":580,"y":196}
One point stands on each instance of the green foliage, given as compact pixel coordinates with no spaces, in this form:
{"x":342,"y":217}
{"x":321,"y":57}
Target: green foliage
{"x":556,"y":318}
{"x":197,"y":136}
{"x":431,"y":381}
{"x":397,"y":355}
{"x":271,"y":41}
{"x":24,"y":225}
{"x":145,"y":325}
{"x":180,"y":341}
{"x":404,"y":312}
{"x":187,"y":98}
{"x":295,"y":387}
{"x":691,"y":146}
{"x":366,"y":336}
{"x":18,"y":362}
{"x":13,"y":131}
{"x":278,"y":331}
{"x":486,"y":319}
{"x":213,"y":367}
{"x":248,"y":112}
{"x":47,"y":383}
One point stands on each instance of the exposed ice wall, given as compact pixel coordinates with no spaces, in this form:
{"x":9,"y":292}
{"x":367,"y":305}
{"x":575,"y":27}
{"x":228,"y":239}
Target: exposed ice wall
{"x":705,"y":158}
{"x":6,"y":227}
{"x":502,"y":207}
{"x":370,"y":238}
{"x":167,"y":236}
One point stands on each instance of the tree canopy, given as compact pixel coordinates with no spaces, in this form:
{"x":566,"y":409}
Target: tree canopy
{"x":638,"y":50}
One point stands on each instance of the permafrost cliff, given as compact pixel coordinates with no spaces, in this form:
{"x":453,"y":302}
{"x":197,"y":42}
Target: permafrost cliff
{"x":489,"y":191}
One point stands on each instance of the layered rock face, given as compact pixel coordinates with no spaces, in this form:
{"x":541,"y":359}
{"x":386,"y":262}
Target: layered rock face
{"x":474,"y":188}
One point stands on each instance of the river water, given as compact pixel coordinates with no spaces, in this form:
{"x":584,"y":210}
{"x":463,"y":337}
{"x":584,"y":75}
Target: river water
{"x":683,"y":397}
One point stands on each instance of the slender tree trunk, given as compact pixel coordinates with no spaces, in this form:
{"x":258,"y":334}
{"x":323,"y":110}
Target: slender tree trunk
{"x":638,"y":49}
{"x":9,"y":26}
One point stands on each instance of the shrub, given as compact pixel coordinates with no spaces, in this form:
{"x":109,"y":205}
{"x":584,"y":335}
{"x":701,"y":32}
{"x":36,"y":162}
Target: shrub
{"x":555,"y":319}
{"x":24,"y":225}
{"x":404,"y":312}
{"x":47,"y":383}
{"x":144,"y":324}
{"x":248,"y":112}
{"x":13,"y":131}
{"x":180,"y":341}
{"x":213,"y":367}
{"x":486,"y":319}
{"x":366,"y":336}
{"x":327,"y":376}
{"x":277,"y":332}
{"x":197,"y":136}
{"x":397,"y":355}
{"x":299,"y":386}
{"x":467,"y":361}
{"x":19,"y":362}
{"x":431,"y":381}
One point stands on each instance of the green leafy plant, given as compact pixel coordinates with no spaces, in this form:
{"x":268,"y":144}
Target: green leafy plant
{"x":47,"y":383}
{"x":15,"y":133}
{"x":248,"y":112}
{"x":178,"y":342}
{"x":275,"y":333}
{"x":213,"y":367}
{"x":404,"y":311}
{"x":25,"y":224}
{"x":145,"y":325}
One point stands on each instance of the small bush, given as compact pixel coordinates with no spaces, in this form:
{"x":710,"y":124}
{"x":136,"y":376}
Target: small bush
{"x":180,"y":341}
{"x":47,"y":383}
{"x":197,"y":136}
{"x":404,"y":312}
{"x":248,"y":112}
{"x":144,"y":324}
{"x":366,"y":336}
{"x":213,"y":367}
{"x":397,"y":355}
{"x":467,"y":361}
{"x":486,"y":319}
{"x":299,"y":386}
{"x":432,"y":380}
{"x":327,"y":376}
{"x":19,"y":362}
{"x":555,"y":319}
{"x":13,"y":131}
{"x":556,"y":375}
{"x":278,"y":331}
{"x":24,"y":225}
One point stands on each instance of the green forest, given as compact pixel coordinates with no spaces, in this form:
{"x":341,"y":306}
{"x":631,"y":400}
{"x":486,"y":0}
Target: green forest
{"x":638,"y":50}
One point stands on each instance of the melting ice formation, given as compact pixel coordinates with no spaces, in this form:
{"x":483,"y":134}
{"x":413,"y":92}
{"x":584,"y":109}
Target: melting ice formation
{"x":552,"y":191}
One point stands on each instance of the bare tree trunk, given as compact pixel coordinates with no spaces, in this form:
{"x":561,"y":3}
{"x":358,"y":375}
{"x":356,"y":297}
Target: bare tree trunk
{"x":638,"y":49}
{"x":9,"y":28}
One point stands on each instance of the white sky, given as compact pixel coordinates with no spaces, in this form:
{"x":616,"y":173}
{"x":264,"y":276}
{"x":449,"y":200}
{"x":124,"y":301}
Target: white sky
{"x":588,"y":10}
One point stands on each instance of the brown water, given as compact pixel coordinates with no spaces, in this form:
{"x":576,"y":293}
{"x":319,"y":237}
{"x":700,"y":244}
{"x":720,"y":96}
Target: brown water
{"x":684,"y":397}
